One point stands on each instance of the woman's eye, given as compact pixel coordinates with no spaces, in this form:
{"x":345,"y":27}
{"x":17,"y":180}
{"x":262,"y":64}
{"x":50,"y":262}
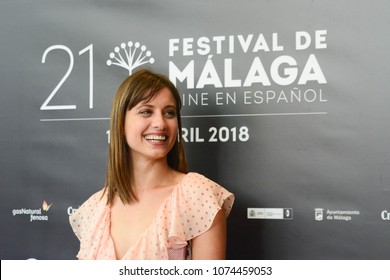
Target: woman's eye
{"x":145,"y":113}
{"x":170,"y":114}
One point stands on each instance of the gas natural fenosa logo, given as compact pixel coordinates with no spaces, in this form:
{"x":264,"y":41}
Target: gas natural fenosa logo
{"x":130,"y":56}
{"x":45,"y":206}
{"x":34,"y":214}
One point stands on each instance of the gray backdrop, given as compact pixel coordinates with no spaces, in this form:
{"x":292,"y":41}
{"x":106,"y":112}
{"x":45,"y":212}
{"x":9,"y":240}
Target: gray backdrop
{"x":285,"y":103}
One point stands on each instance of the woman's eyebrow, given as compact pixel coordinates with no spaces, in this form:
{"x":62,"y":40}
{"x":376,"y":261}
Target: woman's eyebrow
{"x":140,"y":105}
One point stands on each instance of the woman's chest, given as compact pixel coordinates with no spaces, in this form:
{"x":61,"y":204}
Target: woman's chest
{"x":130,"y":223}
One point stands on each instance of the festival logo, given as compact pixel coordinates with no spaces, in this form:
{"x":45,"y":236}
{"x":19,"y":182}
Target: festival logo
{"x":130,"y":56}
{"x":272,"y":74}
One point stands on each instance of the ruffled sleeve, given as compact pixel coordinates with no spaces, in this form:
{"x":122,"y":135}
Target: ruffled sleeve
{"x":89,"y":224}
{"x":196,"y":203}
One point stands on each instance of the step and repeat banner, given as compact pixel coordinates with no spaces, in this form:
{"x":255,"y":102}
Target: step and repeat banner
{"x":285,"y":103}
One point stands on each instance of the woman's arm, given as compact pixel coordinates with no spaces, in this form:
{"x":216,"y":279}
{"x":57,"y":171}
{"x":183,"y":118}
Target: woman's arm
{"x":211,"y":245}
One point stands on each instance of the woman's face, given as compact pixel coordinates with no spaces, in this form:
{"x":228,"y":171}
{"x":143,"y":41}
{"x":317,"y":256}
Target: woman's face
{"x":151,"y":127}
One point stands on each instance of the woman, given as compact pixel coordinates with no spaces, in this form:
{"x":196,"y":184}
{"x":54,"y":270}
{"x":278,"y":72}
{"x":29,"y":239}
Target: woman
{"x":150,"y":207}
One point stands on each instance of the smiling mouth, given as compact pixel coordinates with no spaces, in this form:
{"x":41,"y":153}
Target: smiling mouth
{"x":156,"y":138}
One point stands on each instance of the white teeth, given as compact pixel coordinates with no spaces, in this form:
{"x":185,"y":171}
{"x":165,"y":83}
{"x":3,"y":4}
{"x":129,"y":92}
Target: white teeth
{"x":155,"y":137}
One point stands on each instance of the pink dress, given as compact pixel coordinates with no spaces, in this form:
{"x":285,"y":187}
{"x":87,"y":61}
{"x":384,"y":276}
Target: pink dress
{"x":186,"y":213}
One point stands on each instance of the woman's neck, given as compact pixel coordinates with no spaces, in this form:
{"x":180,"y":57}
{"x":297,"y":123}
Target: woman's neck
{"x":150,"y":175}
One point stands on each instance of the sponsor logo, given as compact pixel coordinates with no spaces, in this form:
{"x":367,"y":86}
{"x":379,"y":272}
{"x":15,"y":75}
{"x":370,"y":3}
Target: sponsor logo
{"x":335,"y":215}
{"x":385,"y":215}
{"x":71,"y":210}
{"x":270,"y":213}
{"x":130,"y":56}
{"x":319,"y":214}
{"x":39,"y":214}
{"x":45,"y":206}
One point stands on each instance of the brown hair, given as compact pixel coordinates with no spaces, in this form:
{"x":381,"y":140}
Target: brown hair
{"x":140,"y":86}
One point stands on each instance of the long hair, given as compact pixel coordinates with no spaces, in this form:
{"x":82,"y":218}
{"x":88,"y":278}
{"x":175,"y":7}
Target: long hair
{"x":140,"y":86}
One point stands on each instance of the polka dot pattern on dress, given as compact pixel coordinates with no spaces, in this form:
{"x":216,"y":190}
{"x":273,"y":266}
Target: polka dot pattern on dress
{"x":188,"y":212}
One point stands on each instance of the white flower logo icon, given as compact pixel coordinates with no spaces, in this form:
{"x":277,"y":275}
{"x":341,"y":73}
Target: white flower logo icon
{"x":130,"y":56}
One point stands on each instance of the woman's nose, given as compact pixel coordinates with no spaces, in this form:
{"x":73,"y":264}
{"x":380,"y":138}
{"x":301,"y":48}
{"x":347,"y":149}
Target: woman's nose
{"x":159,"y":121}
